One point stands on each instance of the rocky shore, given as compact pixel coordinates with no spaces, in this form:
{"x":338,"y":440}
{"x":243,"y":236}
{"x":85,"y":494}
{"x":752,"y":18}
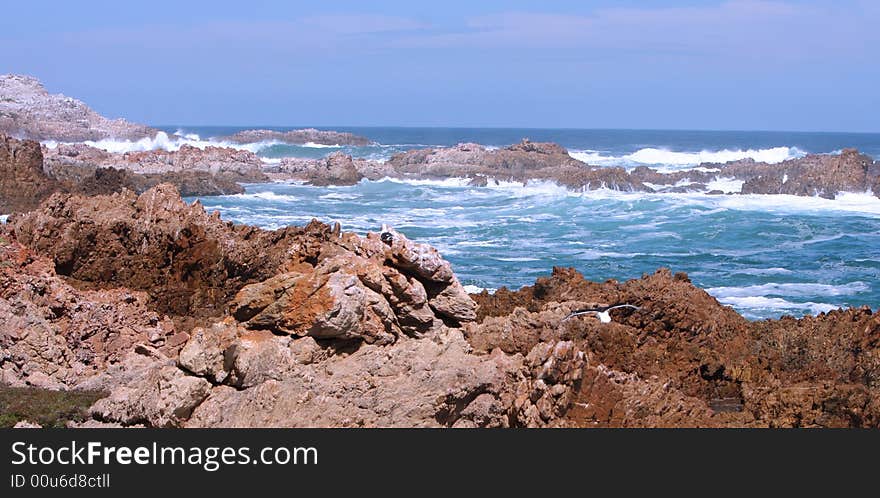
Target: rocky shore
{"x":32,"y":172}
{"x":29,"y":174}
{"x":188,"y":320}
{"x":824,"y":175}
{"x":112,"y":285}
{"x":28,"y":110}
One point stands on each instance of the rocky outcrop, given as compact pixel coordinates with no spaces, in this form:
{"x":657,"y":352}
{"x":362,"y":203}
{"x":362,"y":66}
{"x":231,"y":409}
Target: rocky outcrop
{"x":27,"y":176}
{"x":55,"y":336}
{"x":297,"y":137}
{"x":314,"y":327}
{"x":194,"y":171}
{"x":682,"y":359}
{"x":372,"y":323}
{"x":27,"y":110}
{"x":258,"y":379}
{"x":335,"y":169}
{"x":364,"y":288}
{"x":23,"y":184}
{"x":190,"y":262}
{"x":64,"y":160}
{"x":825,"y":175}
{"x":519,"y":162}
{"x":193,"y":264}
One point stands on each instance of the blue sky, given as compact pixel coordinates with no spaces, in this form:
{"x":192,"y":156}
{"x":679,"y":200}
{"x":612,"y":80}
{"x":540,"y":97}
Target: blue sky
{"x":737,"y":64}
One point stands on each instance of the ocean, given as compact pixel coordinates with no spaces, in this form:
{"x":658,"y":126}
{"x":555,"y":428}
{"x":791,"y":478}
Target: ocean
{"x":764,"y":255}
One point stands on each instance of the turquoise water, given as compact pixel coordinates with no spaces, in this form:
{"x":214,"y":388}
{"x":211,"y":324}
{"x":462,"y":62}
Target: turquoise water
{"x":602,"y":146}
{"x":764,"y":255}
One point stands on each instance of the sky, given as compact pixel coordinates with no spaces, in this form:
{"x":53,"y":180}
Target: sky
{"x":811,"y":65}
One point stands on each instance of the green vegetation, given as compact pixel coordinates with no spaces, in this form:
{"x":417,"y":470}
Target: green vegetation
{"x":43,"y":406}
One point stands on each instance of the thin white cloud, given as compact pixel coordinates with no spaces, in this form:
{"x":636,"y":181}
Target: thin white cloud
{"x":751,"y":28}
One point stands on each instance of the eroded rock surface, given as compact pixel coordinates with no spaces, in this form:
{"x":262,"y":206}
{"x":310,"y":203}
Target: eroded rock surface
{"x":683,"y":359}
{"x":28,"y":110}
{"x":232,"y":326}
{"x":55,"y":336}
{"x":23,"y":184}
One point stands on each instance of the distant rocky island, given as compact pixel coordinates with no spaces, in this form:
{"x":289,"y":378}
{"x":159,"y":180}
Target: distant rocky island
{"x":304,"y":136}
{"x":29,"y":111}
{"x":169,"y":316}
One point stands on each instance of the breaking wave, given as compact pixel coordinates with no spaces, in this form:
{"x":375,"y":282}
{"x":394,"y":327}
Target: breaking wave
{"x":673,"y":160}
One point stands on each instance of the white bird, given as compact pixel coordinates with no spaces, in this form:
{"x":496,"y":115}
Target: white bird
{"x":603,"y":313}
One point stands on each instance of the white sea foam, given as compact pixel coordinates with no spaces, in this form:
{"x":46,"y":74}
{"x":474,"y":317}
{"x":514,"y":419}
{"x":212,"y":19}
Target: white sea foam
{"x":774,"y":304}
{"x":267,"y":196}
{"x":477,"y":243}
{"x":446,"y":182}
{"x":474,"y":289}
{"x":789,"y":290}
{"x":726,"y":185}
{"x":313,"y":145}
{"x":341,"y":196}
{"x":674,"y":160}
{"x":162,"y":141}
{"x":764,"y":271}
{"x":523,"y":259}
{"x":865,"y":203}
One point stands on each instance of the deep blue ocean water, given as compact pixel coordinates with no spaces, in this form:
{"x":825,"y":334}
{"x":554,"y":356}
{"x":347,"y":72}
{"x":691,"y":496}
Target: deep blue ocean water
{"x":608,"y":143}
{"x":763,"y":255}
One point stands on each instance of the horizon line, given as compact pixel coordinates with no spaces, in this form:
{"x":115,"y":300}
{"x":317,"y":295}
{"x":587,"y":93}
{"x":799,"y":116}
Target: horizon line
{"x":541,"y":128}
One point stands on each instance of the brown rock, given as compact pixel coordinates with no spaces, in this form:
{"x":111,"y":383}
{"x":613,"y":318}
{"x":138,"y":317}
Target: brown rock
{"x":27,"y":110}
{"x":57,"y":337}
{"x":335,"y":169}
{"x":23,"y":184}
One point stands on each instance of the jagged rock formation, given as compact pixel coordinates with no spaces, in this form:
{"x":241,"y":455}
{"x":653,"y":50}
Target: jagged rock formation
{"x":194,"y":171}
{"x":260,"y":379}
{"x":519,"y":162}
{"x":335,"y":169}
{"x":373,"y":323}
{"x":825,"y":175}
{"x":27,"y":110}
{"x":297,"y":137}
{"x":55,"y":336}
{"x":315,"y":327}
{"x":190,"y":262}
{"x":27,"y":177}
{"x":682,"y":359}
{"x":23,"y":184}
{"x":72,"y":161}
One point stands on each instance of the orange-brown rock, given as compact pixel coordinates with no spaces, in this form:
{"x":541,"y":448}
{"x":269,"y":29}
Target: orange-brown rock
{"x":55,"y":336}
{"x":682,"y":359}
{"x":23,"y":184}
{"x":314,"y":327}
